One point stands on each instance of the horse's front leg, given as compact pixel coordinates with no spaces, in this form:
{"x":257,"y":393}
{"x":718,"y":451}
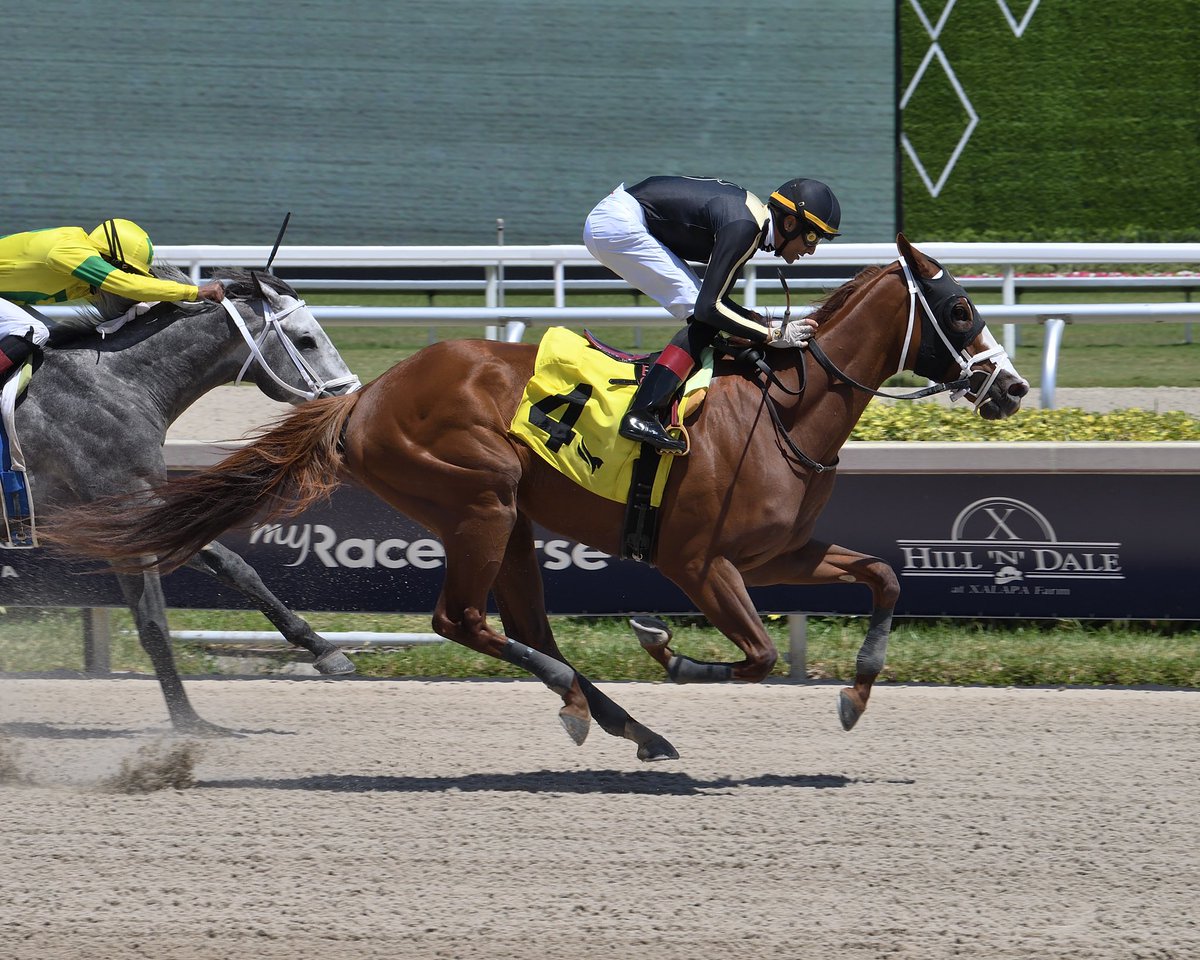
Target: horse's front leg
{"x":144,"y":595}
{"x":818,"y":563}
{"x":219,"y":561}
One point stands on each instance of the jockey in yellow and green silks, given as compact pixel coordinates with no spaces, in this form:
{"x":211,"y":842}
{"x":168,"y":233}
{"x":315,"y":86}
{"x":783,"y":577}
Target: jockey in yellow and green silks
{"x":68,"y":264}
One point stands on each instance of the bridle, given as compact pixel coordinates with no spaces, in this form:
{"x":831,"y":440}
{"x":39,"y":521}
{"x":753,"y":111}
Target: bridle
{"x":956,"y":349}
{"x":272,"y":325}
{"x":946,"y":348}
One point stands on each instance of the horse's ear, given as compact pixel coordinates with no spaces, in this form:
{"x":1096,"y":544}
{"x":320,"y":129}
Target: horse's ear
{"x":259,"y":287}
{"x":263,"y":288}
{"x":917,"y":262}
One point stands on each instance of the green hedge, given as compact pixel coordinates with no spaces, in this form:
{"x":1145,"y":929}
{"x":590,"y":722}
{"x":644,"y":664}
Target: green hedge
{"x":1089,"y":123}
{"x":935,"y":422}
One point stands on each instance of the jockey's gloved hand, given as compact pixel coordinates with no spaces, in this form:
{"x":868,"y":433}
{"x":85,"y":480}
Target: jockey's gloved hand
{"x":211,"y":291}
{"x":794,"y":333}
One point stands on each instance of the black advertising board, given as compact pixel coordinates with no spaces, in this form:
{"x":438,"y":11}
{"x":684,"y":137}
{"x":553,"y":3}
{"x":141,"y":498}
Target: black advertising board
{"x":1078,"y":546}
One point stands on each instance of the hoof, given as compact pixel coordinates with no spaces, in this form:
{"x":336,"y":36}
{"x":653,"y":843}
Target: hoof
{"x":850,"y":708}
{"x":334,"y":664}
{"x":203,"y":729}
{"x":657,"y":748}
{"x":652,"y":633}
{"x":577,"y":726}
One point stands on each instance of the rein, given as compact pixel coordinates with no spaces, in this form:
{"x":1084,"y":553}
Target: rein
{"x":956,"y":388}
{"x":271,"y":324}
{"x":831,"y":368}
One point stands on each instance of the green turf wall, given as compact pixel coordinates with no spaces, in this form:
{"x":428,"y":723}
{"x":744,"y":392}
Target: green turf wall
{"x":1089,"y":121}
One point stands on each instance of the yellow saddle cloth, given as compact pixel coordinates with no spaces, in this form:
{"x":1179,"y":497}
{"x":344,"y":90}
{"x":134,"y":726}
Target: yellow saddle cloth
{"x":572,"y":406}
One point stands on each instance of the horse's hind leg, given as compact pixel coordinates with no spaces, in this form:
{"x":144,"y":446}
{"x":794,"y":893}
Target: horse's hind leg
{"x":818,"y":562}
{"x":143,"y":593}
{"x":476,"y":548}
{"x":520,"y":598}
{"x":231,"y":569}
{"x":719,"y":592}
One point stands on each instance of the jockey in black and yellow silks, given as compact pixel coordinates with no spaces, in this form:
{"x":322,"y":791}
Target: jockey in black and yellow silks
{"x":68,"y":264}
{"x":647,"y":235}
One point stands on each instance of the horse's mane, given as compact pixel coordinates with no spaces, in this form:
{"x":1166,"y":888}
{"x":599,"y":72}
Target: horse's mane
{"x":239,"y":283}
{"x":832,"y":302}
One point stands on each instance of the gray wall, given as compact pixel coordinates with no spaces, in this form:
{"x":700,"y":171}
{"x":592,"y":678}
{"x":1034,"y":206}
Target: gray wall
{"x":415,"y":121}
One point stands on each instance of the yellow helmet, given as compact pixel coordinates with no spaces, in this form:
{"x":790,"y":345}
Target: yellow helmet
{"x":125,"y":245}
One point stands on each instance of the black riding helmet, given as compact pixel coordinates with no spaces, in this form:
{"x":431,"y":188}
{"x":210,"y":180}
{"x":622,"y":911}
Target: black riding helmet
{"x":814,"y":206}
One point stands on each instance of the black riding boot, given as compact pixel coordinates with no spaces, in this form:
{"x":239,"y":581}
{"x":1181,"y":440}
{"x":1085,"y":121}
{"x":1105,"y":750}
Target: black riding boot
{"x":642,"y":422}
{"x":14,"y":351}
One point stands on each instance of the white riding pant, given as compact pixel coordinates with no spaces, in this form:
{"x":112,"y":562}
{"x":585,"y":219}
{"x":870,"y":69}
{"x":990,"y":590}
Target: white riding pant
{"x":14,"y":320}
{"x":615,"y":234}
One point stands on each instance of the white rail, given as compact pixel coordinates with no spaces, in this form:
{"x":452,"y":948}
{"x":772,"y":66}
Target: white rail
{"x":511,"y":322}
{"x":357,"y":639}
{"x":843,"y":254}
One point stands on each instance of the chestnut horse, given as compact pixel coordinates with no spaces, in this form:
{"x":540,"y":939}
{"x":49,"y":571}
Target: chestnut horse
{"x":430,"y":437}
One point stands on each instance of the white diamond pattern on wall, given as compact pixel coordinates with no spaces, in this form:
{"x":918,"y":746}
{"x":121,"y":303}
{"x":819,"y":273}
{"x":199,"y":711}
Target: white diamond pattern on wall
{"x":1018,"y":28}
{"x":935,"y":52}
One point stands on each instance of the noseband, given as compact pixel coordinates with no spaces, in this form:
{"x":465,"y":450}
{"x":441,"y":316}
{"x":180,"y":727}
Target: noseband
{"x":272,"y":324}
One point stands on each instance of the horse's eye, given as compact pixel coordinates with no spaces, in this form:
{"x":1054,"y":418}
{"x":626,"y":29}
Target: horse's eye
{"x":960,"y":314}
{"x":306,"y":343}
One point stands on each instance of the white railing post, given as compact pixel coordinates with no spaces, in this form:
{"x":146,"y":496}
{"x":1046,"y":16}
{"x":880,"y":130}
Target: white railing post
{"x":1054,"y":332}
{"x":560,"y":286}
{"x":797,"y":646}
{"x":97,"y":641}
{"x":491,"y":297}
{"x":1008,"y":295}
{"x":500,"y":264}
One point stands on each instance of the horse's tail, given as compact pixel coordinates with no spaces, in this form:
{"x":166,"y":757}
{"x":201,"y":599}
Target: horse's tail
{"x":279,"y":474}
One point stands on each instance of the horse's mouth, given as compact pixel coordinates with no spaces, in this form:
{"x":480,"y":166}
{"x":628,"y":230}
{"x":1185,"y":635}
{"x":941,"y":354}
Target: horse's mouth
{"x":340,"y":389}
{"x":1003,"y":400}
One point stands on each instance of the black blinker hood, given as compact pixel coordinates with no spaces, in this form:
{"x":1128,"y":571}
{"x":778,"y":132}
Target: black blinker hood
{"x":941,"y":293}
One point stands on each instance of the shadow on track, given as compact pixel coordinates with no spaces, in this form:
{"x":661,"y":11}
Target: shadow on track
{"x":51,"y":731}
{"x":544,"y":781}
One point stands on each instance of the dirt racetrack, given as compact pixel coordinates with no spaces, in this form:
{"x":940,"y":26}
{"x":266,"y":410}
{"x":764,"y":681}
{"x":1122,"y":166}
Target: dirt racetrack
{"x":408,"y":819}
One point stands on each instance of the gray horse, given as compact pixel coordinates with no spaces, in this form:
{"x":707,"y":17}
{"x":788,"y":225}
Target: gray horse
{"x":96,"y":415}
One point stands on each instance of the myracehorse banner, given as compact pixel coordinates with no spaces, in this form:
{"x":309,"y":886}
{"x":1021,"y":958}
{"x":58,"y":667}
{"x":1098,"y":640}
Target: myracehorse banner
{"x":1029,"y":545}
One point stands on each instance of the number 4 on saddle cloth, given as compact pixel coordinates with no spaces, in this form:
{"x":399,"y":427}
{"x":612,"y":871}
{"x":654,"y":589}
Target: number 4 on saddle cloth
{"x":569,"y":414}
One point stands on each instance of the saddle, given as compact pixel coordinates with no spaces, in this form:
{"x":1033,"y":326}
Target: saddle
{"x":16,"y":495}
{"x":569,"y":413}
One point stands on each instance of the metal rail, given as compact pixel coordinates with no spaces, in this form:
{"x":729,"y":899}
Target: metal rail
{"x":511,"y":323}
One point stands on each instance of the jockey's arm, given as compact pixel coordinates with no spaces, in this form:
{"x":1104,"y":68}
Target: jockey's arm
{"x":82,"y":261}
{"x":735,"y":244}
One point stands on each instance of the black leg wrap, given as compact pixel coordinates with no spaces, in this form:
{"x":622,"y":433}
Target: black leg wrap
{"x":871,"y":654}
{"x":612,"y":718}
{"x":687,"y":670}
{"x":555,"y":674}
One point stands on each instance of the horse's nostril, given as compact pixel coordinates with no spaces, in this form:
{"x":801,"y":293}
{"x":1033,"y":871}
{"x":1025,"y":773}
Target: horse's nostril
{"x":1018,"y":389}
